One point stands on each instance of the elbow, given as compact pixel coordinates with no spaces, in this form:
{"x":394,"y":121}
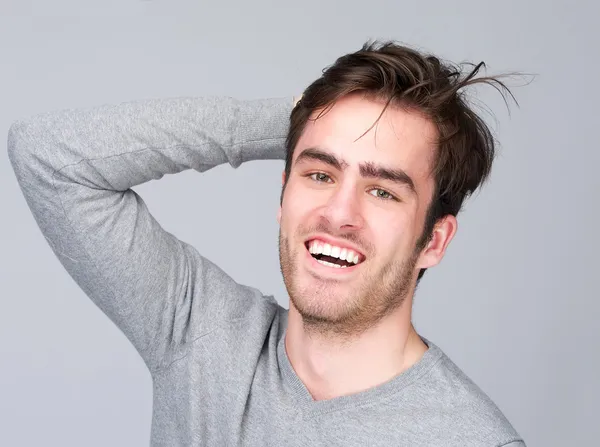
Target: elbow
{"x":18,"y":142}
{"x":24,"y":150}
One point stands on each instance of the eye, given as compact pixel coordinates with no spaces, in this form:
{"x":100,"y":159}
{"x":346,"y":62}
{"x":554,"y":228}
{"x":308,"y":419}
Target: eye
{"x":382,"y":194}
{"x":320,"y":177}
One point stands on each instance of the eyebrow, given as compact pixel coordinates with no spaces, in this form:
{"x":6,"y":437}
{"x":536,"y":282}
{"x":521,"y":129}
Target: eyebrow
{"x":367,"y":170}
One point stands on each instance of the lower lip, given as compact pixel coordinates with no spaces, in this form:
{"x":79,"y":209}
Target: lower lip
{"x":325,"y":268}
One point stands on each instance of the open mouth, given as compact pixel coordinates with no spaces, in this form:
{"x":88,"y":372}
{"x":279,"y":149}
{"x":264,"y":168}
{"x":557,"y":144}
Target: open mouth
{"x":332,"y":255}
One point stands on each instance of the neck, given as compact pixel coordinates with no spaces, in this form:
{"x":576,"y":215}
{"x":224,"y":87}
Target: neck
{"x":332,"y":369}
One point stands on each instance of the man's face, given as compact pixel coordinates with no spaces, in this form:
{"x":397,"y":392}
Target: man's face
{"x":363,"y":198}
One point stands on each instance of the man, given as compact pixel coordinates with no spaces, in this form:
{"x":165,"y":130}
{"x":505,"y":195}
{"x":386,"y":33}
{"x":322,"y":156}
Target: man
{"x":380,"y":153}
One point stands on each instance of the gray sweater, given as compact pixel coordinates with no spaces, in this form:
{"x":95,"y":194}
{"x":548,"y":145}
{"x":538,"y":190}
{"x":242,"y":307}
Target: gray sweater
{"x":214,"y":348}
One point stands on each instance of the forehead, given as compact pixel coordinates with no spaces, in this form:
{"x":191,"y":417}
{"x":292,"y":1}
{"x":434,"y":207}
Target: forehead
{"x":401,"y":139}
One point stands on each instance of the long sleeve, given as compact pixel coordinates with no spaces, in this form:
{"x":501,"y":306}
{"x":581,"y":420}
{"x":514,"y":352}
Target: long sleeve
{"x":76,"y":169}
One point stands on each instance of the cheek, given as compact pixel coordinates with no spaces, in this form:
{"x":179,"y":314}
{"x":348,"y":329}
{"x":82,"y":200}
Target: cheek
{"x":392,"y":233}
{"x":294,"y":211}
{"x":299,"y":202}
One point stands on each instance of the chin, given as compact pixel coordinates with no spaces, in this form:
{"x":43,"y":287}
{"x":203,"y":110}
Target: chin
{"x":323,"y":305}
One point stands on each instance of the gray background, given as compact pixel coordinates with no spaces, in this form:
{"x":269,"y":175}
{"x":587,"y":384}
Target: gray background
{"x":514,"y":302}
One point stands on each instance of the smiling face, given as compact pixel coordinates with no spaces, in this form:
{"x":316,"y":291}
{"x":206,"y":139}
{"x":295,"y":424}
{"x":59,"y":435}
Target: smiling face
{"x":363,"y":199}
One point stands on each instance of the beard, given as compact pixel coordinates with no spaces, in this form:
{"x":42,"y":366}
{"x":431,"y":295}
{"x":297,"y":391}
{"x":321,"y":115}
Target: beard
{"x":334,"y":309}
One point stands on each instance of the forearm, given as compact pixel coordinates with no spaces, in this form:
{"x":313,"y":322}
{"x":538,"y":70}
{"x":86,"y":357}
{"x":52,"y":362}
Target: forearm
{"x":135,"y":142}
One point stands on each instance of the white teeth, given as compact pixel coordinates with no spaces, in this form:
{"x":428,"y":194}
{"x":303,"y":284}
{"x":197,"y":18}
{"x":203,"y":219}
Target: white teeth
{"x":350,"y":256}
{"x":335,"y":252}
{"x":329,"y":264}
{"x":343,"y":254}
{"x":316,"y":248}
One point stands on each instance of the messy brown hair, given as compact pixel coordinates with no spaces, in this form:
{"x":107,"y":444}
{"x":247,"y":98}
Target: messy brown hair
{"x":400,"y":76}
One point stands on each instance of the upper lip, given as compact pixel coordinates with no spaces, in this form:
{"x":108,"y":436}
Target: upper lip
{"x":331,"y":241}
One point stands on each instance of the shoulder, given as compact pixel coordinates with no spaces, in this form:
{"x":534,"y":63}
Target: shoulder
{"x":467,"y":410}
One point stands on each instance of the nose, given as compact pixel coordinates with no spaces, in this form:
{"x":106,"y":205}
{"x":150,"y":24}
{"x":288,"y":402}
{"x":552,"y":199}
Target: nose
{"x":343,"y":209}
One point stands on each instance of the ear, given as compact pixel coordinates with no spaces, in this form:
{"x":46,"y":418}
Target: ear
{"x":279,"y":212}
{"x":443,"y":232}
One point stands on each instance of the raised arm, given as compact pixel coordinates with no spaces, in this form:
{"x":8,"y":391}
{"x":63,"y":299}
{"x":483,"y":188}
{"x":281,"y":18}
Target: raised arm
{"x":76,"y":169}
